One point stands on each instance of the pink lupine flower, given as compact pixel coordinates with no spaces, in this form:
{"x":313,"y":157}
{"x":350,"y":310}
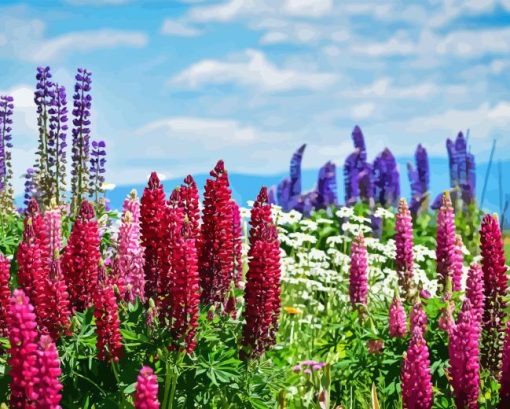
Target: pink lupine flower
{"x":5,"y":293}
{"x":495,"y":289}
{"x":128,"y":266}
{"x":404,"y":245}
{"x":48,"y":385}
{"x":358,"y":287}
{"x":397,"y":319}
{"x":418,"y":318}
{"x":146,"y":396}
{"x":53,"y":227}
{"x":445,"y":250}
{"x":474,"y":290}
{"x":23,"y":351}
{"x":458,"y":264}
{"x":416,"y":381}
{"x":463,"y":350}
{"x":504,"y":392}
{"x":237,"y":244}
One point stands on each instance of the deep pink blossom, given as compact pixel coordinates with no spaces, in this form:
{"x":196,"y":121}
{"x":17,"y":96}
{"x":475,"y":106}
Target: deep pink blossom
{"x":358,"y":285}
{"x":404,"y":245}
{"x":23,"y":351}
{"x":397,"y":319}
{"x":146,"y":396}
{"x":106,"y":312}
{"x":474,"y":290}
{"x":415,"y":377}
{"x":495,"y":289}
{"x":5,"y":293}
{"x":80,"y":261}
{"x":48,"y":384}
{"x":216,"y":259}
{"x":418,"y":318}
{"x":262,"y":294}
{"x":445,"y":250}
{"x":457,"y":264}
{"x":152,"y":212}
{"x":463,"y":350}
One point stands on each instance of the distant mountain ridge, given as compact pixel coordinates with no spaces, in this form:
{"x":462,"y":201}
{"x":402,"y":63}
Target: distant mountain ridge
{"x":245,"y":187}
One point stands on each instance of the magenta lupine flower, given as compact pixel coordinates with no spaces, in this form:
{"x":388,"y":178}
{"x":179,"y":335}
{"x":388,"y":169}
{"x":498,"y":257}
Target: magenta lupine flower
{"x":404,"y":245}
{"x":237,"y":242}
{"x":416,"y":381}
{"x":458,"y":264}
{"x":358,"y":287}
{"x":129,"y":262}
{"x":397,"y":319}
{"x":504,"y":392}
{"x":463,"y":350}
{"x":146,"y":396}
{"x":495,"y":289}
{"x":53,"y":227}
{"x":445,"y":250}
{"x":474,"y":290}
{"x":23,"y":351}
{"x":418,"y":317}
{"x":5,"y":293}
{"x":48,"y":385}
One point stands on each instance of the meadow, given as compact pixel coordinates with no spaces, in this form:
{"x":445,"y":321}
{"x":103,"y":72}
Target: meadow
{"x":189,"y":300}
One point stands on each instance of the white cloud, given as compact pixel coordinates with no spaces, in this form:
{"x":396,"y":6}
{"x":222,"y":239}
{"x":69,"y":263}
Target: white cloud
{"x":98,"y":2}
{"x":384,"y":88}
{"x":86,"y":41}
{"x":475,"y":43}
{"x":362,"y":111}
{"x":254,"y":70}
{"x":397,"y":45}
{"x":307,"y":8}
{"x":179,"y":28}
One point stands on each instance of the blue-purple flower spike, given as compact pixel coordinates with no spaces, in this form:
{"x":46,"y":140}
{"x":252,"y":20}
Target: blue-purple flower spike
{"x":30,"y":187}
{"x":6,"y":192}
{"x":283,"y":194}
{"x":295,"y":172}
{"x":357,"y":172}
{"x":326,"y":187}
{"x":386,"y":179}
{"x":82,"y":102}
{"x":419,"y":178}
{"x":97,"y":169}
{"x":462,"y":169}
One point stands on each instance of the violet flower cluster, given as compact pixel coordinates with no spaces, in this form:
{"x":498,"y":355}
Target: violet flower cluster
{"x":97,"y":169}
{"x":6,"y":110}
{"x":462,"y":168}
{"x":419,"y":178}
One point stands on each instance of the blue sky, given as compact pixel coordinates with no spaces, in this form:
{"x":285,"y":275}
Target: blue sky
{"x":180,"y":84}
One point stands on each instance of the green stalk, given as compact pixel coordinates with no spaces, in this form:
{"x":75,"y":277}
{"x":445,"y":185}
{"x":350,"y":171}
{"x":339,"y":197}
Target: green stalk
{"x":175,"y":377}
{"x":168,"y":380}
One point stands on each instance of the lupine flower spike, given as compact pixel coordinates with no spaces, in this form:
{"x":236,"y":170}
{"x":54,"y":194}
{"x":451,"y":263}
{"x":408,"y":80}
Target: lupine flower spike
{"x":152,"y":212}
{"x":216,"y":259}
{"x":504,"y":392}
{"x":458,"y":264}
{"x":474,"y":291}
{"x":358,"y":286}
{"x":106,"y":312}
{"x":262,"y":295}
{"x":463,"y":349}
{"x":80,"y":261}
{"x":397,"y":318}
{"x":445,"y":250}
{"x":418,"y":317}
{"x":495,"y":287}
{"x":23,"y":351}
{"x":146,"y":396}
{"x":416,"y":381}
{"x":404,"y":246}
{"x":6,"y":190}
{"x":5,"y":293}
{"x":48,"y":385}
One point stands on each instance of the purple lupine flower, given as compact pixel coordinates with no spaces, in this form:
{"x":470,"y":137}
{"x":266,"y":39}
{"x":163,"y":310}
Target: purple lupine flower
{"x":445,"y":240}
{"x":357,"y":172}
{"x":376,"y":224}
{"x":404,"y":246}
{"x":462,"y":168}
{"x":358,"y":285}
{"x":474,"y":290}
{"x":97,"y":168}
{"x":283,"y":194}
{"x":386,"y":179}
{"x":397,"y":318}
{"x":82,"y":102}
{"x":30,"y":187}
{"x":463,"y":350}
{"x":6,"y":110}
{"x":295,"y":172}
{"x":419,"y":178}
{"x":271,"y":194}
{"x":457,"y":264}
{"x":469,"y":188}
{"x":326,"y":187}
{"x":57,"y":139}
{"x":415,"y":377}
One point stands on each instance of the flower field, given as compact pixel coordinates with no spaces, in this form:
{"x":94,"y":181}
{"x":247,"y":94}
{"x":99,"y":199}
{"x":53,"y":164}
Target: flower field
{"x":185,"y":299}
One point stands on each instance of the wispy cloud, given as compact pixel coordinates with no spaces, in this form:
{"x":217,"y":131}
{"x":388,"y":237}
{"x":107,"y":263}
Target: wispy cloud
{"x":253,"y":70}
{"x":179,"y":28}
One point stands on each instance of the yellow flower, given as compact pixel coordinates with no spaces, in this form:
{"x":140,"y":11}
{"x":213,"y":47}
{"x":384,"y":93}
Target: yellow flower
{"x":292,"y":310}
{"x":107,"y":186}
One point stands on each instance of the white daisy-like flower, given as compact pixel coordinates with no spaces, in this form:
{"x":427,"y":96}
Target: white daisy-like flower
{"x":383,"y":213}
{"x":344,"y":212}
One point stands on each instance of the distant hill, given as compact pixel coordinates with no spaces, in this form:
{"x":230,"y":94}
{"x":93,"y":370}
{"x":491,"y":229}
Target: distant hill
{"x":246,"y":187}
